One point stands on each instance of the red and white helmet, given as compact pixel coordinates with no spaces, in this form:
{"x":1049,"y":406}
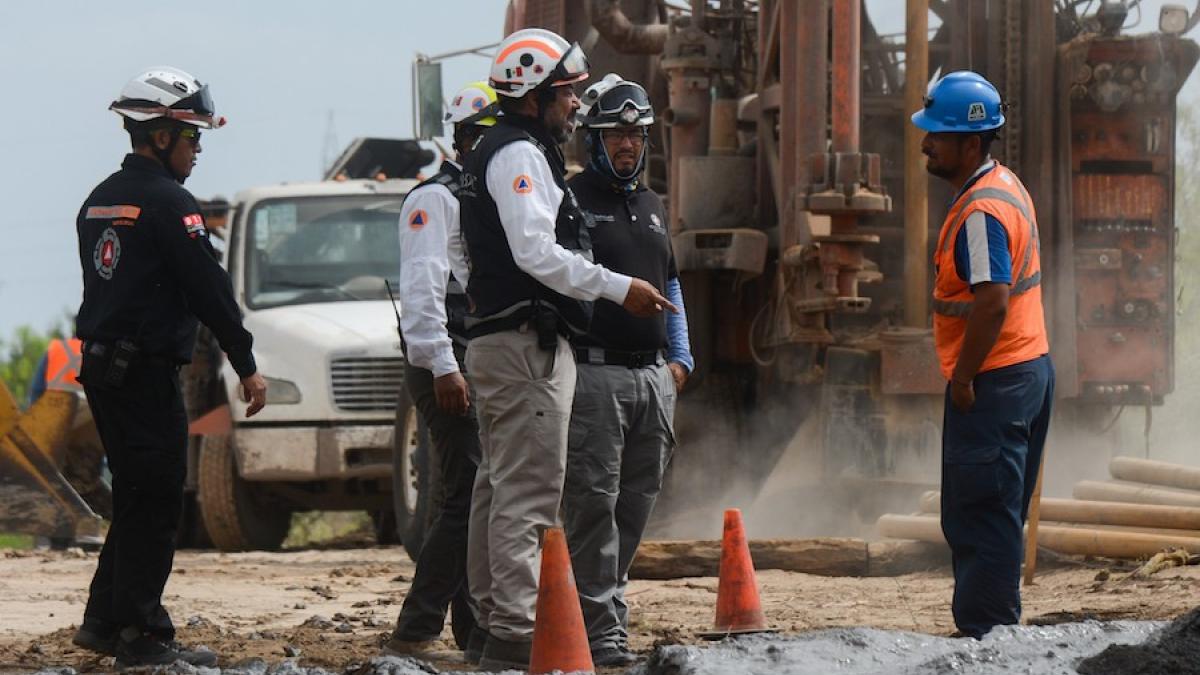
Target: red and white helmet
{"x":532,"y":58}
{"x":168,"y":92}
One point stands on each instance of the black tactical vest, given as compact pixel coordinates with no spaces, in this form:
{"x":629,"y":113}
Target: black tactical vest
{"x":506,"y":297}
{"x":449,"y":176}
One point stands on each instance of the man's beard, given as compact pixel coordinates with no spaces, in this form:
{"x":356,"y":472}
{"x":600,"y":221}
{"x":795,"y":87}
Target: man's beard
{"x":939,"y":171}
{"x":561,"y":132}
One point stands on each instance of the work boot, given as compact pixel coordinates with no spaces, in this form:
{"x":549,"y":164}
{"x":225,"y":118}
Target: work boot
{"x":135,"y":648}
{"x":396,"y":646}
{"x":504,"y":655}
{"x":474,"y":651}
{"x":613,"y":656}
{"x":95,"y":636}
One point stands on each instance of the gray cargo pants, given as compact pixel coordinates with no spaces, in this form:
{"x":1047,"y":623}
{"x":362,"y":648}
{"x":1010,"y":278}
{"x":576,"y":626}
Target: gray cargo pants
{"x":523,"y":400}
{"x":621,"y":438}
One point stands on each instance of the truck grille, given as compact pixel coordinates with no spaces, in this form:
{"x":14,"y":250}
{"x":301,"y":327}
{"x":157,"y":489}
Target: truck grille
{"x":367,"y":384}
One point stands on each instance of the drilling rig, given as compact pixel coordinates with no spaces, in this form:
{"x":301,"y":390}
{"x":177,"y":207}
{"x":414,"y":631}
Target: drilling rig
{"x":803,"y":220}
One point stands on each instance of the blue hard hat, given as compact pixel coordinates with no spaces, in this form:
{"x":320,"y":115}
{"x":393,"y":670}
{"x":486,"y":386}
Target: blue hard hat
{"x":961,"y":101}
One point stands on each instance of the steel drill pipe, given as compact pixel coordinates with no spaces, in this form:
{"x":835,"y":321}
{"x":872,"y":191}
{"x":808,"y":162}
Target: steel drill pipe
{"x":916,"y":180}
{"x":1136,"y":493}
{"x":1155,"y":473}
{"x":1068,"y":540}
{"x":847,"y":75}
{"x":1101,"y":513}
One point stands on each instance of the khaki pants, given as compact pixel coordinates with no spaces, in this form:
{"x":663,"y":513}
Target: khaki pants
{"x":524,"y":397}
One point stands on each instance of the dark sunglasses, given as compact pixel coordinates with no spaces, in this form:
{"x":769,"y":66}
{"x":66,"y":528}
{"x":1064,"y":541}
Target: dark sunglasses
{"x":192,"y":136}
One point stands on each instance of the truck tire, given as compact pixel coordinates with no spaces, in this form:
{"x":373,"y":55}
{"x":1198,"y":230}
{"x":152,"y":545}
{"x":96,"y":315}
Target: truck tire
{"x":236,"y":520}
{"x":410,"y":475}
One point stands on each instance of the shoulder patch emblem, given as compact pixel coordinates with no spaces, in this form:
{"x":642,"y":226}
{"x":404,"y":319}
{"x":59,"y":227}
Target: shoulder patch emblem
{"x":194,"y":224}
{"x":107,"y":253}
{"x":656,"y":224}
{"x":523,"y":184}
{"x":418,"y":219}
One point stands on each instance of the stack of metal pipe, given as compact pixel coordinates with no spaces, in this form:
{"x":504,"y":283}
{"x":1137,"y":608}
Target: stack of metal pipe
{"x":1147,"y":507}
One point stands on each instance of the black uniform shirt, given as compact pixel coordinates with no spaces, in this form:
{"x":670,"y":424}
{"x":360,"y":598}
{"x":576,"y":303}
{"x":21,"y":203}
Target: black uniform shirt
{"x":629,"y":236}
{"x":149,"y":270}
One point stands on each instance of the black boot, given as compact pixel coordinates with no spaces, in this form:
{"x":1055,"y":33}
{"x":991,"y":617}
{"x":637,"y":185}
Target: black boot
{"x":135,"y":648}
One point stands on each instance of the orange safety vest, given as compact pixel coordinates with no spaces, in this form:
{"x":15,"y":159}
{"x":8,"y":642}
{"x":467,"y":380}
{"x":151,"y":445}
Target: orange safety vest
{"x":1023,"y":336}
{"x":63,"y":359}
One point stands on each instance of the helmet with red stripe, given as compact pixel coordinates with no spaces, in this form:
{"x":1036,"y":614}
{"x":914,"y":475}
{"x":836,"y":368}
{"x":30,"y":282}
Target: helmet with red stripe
{"x":534,"y":58}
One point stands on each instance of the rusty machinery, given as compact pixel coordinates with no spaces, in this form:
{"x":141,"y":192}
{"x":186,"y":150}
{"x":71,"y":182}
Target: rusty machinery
{"x":802,"y":216}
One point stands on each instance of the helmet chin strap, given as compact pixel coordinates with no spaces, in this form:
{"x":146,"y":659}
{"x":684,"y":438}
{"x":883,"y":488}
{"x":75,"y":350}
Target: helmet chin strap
{"x":604,"y":164}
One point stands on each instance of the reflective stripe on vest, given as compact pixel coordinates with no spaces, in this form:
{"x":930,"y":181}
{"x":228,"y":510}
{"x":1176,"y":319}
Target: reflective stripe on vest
{"x":63,"y":361}
{"x":1025,"y":282}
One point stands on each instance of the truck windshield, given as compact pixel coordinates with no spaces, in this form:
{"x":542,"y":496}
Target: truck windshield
{"x":321,"y":249}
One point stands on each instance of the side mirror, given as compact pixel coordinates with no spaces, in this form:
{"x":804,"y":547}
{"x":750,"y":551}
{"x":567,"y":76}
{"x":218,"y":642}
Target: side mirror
{"x":427,"y":100}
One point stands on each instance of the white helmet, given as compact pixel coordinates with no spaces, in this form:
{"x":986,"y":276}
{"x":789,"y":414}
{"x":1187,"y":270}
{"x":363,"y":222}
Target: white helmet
{"x":167,"y":92}
{"x":533,"y":58}
{"x":615,"y":102}
{"x":473,"y":104}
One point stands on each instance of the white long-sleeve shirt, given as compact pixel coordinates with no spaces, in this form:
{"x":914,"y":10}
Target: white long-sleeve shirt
{"x":520,"y":181}
{"x":428,"y":214}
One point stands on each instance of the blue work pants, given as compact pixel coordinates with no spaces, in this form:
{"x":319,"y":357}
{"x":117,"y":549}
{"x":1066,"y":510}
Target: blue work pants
{"x":990,"y":459}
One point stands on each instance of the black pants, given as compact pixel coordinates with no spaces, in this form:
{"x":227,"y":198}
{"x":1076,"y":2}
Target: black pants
{"x":441,"y":577}
{"x":143,"y":426}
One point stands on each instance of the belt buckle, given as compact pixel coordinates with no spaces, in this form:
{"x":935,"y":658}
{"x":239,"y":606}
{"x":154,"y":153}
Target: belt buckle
{"x":637,"y":360}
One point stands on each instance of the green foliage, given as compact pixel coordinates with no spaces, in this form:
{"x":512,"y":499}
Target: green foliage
{"x":323,"y":527}
{"x":15,"y":541}
{"x":19,"y":357}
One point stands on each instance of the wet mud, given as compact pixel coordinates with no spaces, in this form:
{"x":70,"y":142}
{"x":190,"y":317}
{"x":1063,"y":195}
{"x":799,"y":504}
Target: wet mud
{"x":1175,"y":650}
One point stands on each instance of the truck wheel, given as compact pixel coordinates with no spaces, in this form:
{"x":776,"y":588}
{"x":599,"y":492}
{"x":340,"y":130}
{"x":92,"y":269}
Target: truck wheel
{"x":410,"y":475}
{"x":236,"y":518}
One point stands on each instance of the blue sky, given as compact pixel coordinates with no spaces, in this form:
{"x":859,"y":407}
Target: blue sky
{"x":277,"y":71}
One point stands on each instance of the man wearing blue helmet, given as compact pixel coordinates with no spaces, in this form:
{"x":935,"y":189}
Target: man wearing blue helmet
{"x":990,"y":333}
{"x":629,"y":368}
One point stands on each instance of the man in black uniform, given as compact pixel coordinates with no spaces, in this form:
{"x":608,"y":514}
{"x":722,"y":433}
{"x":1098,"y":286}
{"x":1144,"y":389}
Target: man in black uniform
{"x":435,"y":306}
{"x":148,"y":273}
{"x":630,"y":368}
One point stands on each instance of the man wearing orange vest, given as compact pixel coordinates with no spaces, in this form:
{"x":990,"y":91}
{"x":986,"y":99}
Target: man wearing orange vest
{"x":58,"y":368}
{"x":990,"y":333}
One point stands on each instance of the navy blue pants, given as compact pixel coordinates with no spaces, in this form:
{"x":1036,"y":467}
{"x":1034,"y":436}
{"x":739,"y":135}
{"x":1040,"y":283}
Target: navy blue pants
{"x":990,"y":459}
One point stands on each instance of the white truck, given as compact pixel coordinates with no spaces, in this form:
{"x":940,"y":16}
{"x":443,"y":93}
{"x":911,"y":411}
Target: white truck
{"x":308,"y":263}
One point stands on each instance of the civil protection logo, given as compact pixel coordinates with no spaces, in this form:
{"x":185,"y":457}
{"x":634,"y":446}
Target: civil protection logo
{"x":418,"y":219}
{"x":522,"y":184}
{"x":107,"y":253}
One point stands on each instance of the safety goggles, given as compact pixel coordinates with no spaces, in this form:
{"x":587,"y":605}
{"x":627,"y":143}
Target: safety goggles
{"x":571,"y":68}
{"x":619,"y":99}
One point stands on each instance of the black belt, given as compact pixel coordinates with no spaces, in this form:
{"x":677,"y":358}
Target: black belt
{"x":598,"y":356}
{"x":101,"y":349}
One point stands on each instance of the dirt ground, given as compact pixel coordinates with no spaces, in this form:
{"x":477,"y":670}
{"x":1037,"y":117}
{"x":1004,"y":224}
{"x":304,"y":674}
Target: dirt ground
{"x":333,"y":608}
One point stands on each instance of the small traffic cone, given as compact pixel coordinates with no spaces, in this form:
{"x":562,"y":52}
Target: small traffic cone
{"x":738,"y":607}
{"x":560,"y":639}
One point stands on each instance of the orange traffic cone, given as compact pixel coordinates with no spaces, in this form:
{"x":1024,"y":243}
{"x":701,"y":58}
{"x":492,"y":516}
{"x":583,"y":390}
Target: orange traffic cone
{"x":559,"y":637}
{"x":738,"y":607}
